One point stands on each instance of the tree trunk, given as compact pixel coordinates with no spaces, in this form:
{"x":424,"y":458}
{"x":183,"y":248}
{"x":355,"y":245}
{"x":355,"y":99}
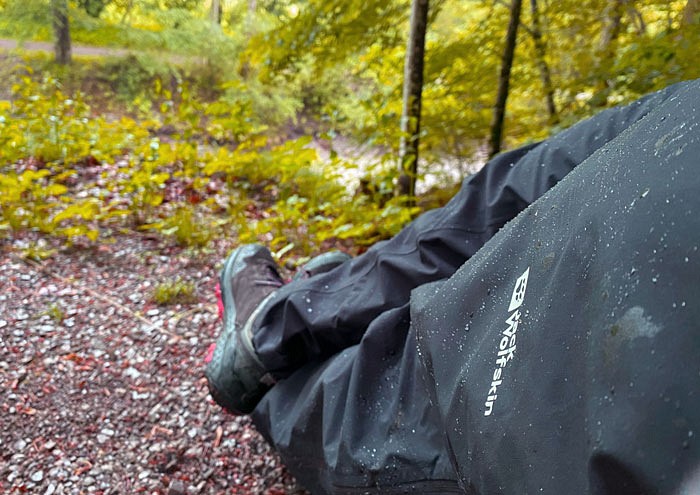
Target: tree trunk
{"x":412,"y":91}
{"x":638,"y":20}
{"x":541,"y":53}
{"x":605,"y":53}
{"x":611,"y":29}
{"x":127,"y":11}
{"x":499,"y":109}
{"x":216,"y":12}
{"x":61,"y":29}
{"x":690,"y":12}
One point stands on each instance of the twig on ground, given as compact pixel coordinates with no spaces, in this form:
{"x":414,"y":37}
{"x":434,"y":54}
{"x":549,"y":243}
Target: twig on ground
{"x":112,"y":302}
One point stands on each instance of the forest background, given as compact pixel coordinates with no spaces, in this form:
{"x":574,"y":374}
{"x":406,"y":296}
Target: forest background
{"x":278,"y":121}
{"x":162,"y":133}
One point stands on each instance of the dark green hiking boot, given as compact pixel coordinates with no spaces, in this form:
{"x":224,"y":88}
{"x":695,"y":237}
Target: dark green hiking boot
{"x":237,"y":379}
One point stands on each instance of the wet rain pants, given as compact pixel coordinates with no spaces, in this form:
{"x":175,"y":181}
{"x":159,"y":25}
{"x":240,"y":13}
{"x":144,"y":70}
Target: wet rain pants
{"x":525,"y":338}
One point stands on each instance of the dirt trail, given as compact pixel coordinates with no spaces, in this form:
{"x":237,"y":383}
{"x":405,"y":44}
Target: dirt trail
{"x":44,"y":46}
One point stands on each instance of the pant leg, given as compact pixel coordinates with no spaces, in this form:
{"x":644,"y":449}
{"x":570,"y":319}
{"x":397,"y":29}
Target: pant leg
{"x":402,"y":411}
{"x":563,"y":357}
{"x":361,"y":422}
{"x":316,"y":318}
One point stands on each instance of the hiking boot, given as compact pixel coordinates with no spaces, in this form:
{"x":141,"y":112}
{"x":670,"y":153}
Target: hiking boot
{"x":320,"y":264}
{"x":237,"y":379}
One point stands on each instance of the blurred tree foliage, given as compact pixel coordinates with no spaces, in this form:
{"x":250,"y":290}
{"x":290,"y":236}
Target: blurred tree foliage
{"x":598,"y":53}
{"x":340,"y":62}
{"x":270,"y":71}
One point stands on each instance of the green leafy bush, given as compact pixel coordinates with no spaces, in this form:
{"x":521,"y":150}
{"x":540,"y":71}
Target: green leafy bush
{"x":78,"y":176}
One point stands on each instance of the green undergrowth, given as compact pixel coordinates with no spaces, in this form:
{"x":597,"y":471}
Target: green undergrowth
{"x":192,"y":171}
{"x":174,"y":291}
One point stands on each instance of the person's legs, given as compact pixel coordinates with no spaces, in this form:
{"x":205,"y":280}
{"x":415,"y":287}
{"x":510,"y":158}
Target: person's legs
{"x":363,"y":422}
{"x":237,"y":379}
{"x":315,"y":319}
{"x":563,"y":357}
{"x":312,"y":319}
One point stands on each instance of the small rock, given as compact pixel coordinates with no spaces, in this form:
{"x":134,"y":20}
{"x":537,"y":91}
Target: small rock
{"x":58,"y":473}
{"x":177,"y":487}
{"x":153,"y":413}
{"x":132,"y":373}
{"x":44,"y":329}
{"x":37,"y":476}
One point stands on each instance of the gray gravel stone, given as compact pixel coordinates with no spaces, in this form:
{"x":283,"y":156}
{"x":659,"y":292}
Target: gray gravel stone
{"x":94,"y":404}
{"x":177,"y":487}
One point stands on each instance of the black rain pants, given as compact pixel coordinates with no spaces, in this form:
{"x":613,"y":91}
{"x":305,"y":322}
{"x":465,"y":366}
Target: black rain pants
{"x":557,"y":354}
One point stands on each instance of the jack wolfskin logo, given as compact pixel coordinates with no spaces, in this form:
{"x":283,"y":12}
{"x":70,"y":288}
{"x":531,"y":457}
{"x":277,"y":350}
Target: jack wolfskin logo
{"x":506,"y":346}
{"x":516,"y":299}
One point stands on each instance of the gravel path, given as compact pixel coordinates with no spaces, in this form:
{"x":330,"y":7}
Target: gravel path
{"x":102,"y":391}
